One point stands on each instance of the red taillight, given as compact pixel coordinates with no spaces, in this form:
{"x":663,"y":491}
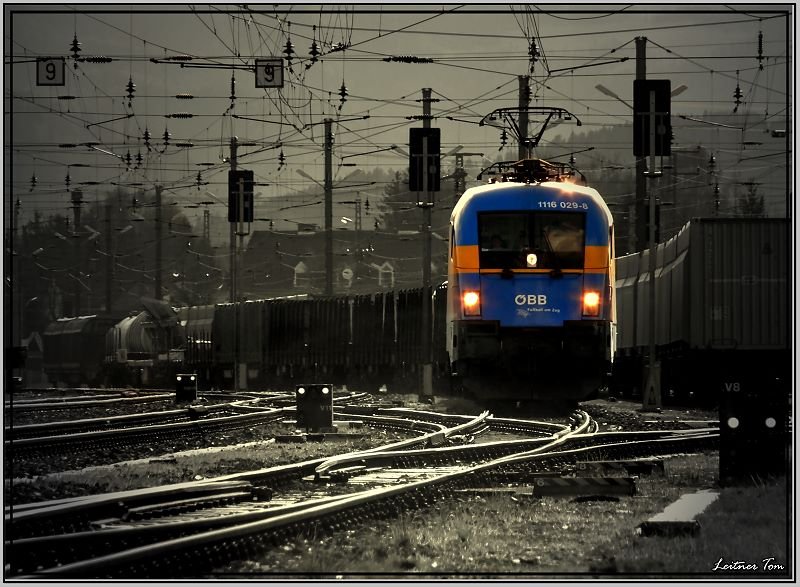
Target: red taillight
{"x":591,"y":303}
{"x":472,"y":303}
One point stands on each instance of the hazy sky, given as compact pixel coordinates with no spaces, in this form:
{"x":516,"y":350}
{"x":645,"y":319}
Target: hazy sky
{"x":478,"y":52}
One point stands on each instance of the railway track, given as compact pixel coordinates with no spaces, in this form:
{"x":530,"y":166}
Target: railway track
{"x":84,"y":434}
{"x":83,"y":401}
{"x":182,"y":530}
{"x":37,"y":527}
{"x":19,"y":412}
{"x":138,"y":433}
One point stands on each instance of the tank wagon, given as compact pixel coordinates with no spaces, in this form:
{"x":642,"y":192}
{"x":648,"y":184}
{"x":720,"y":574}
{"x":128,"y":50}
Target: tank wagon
{"x":141,"y":348}
{"x":722,"y":309}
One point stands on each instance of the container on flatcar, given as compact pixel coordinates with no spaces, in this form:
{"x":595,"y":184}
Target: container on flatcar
{"x":742,"y":266}
{"x":721,"y":300}
{"x":627,"y":275}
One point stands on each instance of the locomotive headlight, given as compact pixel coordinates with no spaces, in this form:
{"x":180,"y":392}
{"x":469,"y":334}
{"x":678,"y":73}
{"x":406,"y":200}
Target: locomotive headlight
{"x":179,"y":377}
{"x":472,"y":303}
{"x":301,"y":390}
{"x":325,"y":391}
{"x":591,"y":303}
{"x":531,"y":259}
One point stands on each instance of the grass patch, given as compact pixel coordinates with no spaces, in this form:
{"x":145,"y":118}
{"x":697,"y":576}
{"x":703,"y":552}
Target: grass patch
{"x":747,"y":524}
{"x":505,"y":535}
{"x":180,"y":467}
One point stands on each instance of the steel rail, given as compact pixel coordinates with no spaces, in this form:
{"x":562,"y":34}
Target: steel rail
{"x":495,"y":423}
{"x":128,"y":434}
{"x":50,"y":512}
{"x":33,"y":549}
{"x":107,"y":422}
{"x":102,"y":563}
{"x":90,"y":403}
{"x":579,"y":433}
{"x":101,"y":566}
{"x":25,"y":402}
{"x":431,"y":440}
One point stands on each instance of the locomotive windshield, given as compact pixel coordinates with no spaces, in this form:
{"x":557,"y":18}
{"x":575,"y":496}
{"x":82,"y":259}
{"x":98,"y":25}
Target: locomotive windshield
{"x":538,"y":240}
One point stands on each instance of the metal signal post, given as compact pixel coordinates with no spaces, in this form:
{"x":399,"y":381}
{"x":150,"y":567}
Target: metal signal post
{"x":524,"y":101}
{"x":425,"y":145}
{"x":328,"y":188}
{"x":240,"y":211}
{"x":651,"y":398}
{"x":651,"y":138}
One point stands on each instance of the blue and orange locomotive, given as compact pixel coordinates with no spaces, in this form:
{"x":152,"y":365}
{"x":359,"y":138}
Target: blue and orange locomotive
{"x":530,"y":311}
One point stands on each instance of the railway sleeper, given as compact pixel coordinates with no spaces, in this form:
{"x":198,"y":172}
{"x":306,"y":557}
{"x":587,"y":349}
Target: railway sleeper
{"x":184,"y":505}
{"x":339,"y":475}
{"x":398,"y":503}
{"x":186,"y":563}
{"x":630,"y":467}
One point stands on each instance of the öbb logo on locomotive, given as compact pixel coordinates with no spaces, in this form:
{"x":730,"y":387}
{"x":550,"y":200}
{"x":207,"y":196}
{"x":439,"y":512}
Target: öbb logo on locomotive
{"x":531,"y":300}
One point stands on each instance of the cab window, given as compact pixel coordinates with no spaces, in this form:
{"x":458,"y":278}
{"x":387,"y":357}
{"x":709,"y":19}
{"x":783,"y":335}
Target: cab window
{"x":532,"y":240}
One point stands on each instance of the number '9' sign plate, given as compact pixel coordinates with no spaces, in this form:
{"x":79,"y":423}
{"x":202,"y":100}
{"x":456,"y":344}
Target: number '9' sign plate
{"x":50,"y":71}
{"x":269,"y":72}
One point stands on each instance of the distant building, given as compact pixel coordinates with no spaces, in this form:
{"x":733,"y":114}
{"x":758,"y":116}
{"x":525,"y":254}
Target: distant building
{"x":287,"y":263}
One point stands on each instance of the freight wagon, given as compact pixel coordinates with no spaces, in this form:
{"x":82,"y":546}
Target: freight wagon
{"x":722,"y":309}
{"x":141,"y":348}
{"x":368,"y":339}
{"x":73,"y":352}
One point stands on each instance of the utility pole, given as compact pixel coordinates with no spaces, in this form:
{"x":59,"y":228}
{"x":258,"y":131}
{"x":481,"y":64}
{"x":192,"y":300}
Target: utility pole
{"x":110,"y":257}
{"x":651,"y":100}
{"x":16,"y":277}
{"x":232,"y":240}
{"x":159,"y":236}
{"x":328,"y":188}
{"x":77,"y":200}
{"x":524,"y":101}
{"x":652,"y":391}
{"x":459,"y":175}
{"x":234,"y":262}
{"x":240,"y":210}
{"x":641,"y":162}
{"x":358,"y":227}
{"x":427,"y":365}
